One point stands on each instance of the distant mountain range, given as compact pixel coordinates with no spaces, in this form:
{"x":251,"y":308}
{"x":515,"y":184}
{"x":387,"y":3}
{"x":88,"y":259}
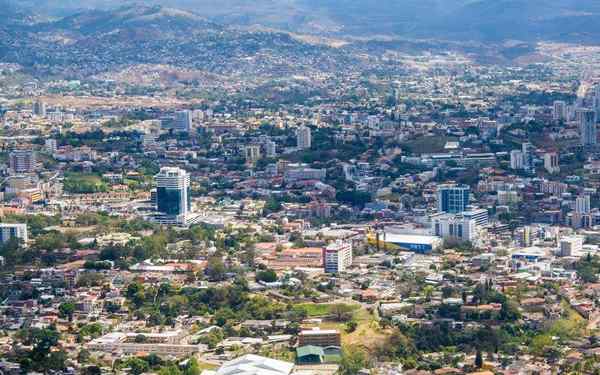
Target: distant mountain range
{"x":575,"y":21}
{"x":98,"y":41}
{"x":484,"y":20}
{"x":263,"y":38}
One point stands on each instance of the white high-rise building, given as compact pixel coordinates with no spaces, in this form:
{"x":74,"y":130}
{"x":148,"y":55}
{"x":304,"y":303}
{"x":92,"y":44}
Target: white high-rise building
{"x":455,"y":227}
{"x":252,"y":153}
{"x":587,"y":126}
{"x":338,"y":256}
{"x":22,"y":161}
{"x":149,"y":140}
{"x":480,"y":215}
{"x":270,"y":149}
{"x":51,"y":145}
{"x":10,"y":231}
{"x":198,"y":114}
{"x":570,"y":246}
{"x":551,"y":162}
{"x":39,"y":108}
{"x":173,"y":195}
{"x":559,"y":111}
{"x":571,"y":109}
{"x":304,"y":138}
{"x":508,"y":197}
{"x":516,"y":159}
{"x":582,"y":205}
{"x":183,"y":121}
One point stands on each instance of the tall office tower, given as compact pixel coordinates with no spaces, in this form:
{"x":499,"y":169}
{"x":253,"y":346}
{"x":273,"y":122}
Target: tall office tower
{"x":316,"y":120}
{"x":338,"y":257}
{"x":252,"y":153}
{"x":173,"y":195}
{"x":198,"y":114}
{"x":303,"y":138}
{"x":149,"y":140}
{"x":183,"y":121}
{"x":587,"y":126}
{"x":582,"y":204}
{"x":39,"y":108}
{"x":453,"y":199}
{"x":524,"y":236}
{"x":551,"y":162}
{"x":10,"y":231}
{"x":527,"y":150}
{"x":597,"y":91}
{"x":51,"y":145}
{"x":596,"y":100}
{"x":516,"y":159}
{"x":571,"y":112}
{"x":270,"y":149}
{"x":22,"y":161}
{"x":581,"y":218}
{"x":559,"y":111}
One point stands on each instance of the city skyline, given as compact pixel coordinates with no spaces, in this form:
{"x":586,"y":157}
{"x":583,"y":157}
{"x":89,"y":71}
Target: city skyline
{"x":299,"y":187}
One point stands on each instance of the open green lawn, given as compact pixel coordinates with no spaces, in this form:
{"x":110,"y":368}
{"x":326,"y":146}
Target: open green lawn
{"x":84,"y":183}
{"x":206,"y":366}
{"x":367,"y":335}
{"x":427,"y":145}
{"x":320,"y":309}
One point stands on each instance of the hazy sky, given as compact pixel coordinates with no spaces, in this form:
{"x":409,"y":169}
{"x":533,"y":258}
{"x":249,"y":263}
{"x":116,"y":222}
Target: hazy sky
{"x":510,"y":19}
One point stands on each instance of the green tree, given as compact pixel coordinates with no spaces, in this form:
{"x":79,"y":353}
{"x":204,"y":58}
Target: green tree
{"x":428,"y":292}
{"x":540,"y":343}
{"x":138,"y":366}
{"x":50,"y":241}
{"x":215,"y":269}
{"x":10,"y":251}
{"x":92,"y":330}
{"x":41,"y":357}
{"x":353,"y":197}
{"x":83,"y":356}
{"x":353,"y":360}
{"x":140,"y":339}
{"x":66,"y":310}
{"x":351,"y":326}
{"x":478,"y":359}
{"x":56,"y":360}
{"x":272,"y":205}
{"x":342,"y":312}
{"x":92,"y":370}
{"x":588,"y":269}
{"x":192,"y":368}
{"x":223,"y":315}
{"x":268,"y":276}
{"x":169,"y":370}
{"x":112,"y":307}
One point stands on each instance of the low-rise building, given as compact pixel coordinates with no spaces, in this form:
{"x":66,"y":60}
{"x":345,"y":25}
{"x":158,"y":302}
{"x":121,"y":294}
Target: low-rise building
{"x":319,"y":337}
{"x":166,"y":343}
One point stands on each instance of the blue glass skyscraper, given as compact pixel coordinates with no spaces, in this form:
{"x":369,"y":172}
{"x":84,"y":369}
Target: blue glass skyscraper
{"x":173,"y":195}
{"x":453,"y":199}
